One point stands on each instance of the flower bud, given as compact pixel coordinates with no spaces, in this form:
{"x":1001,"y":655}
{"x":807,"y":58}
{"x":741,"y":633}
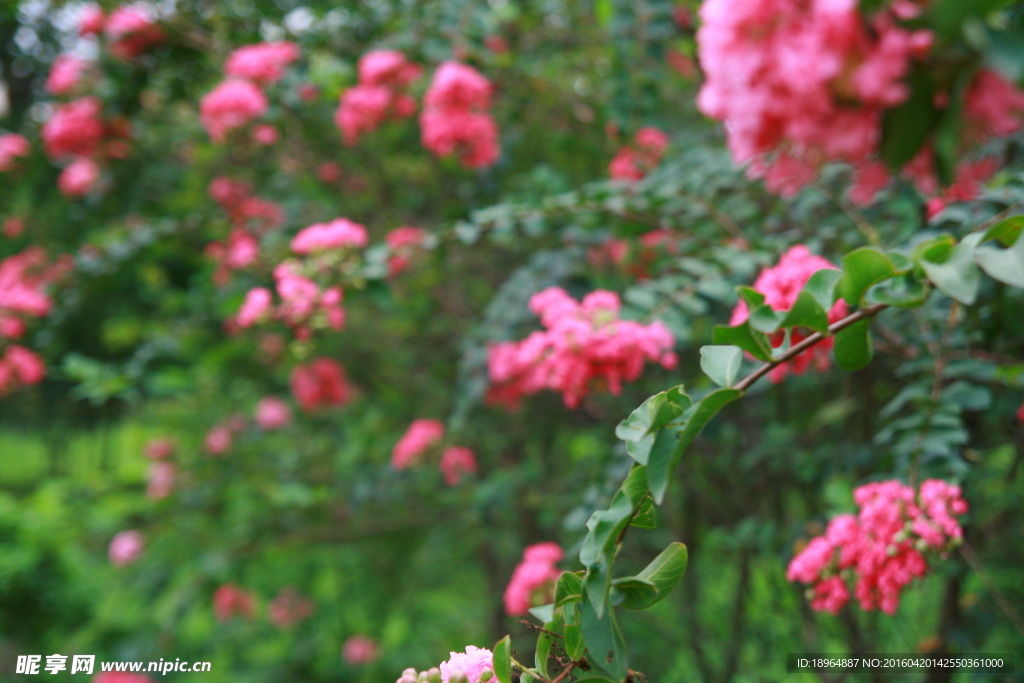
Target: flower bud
{"x":486,"y":675}
{"x":458,"y":678}
{"x":434,"y":675}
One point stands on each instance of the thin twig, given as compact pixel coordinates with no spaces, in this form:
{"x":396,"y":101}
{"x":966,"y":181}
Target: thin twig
{"x":797,"y":349}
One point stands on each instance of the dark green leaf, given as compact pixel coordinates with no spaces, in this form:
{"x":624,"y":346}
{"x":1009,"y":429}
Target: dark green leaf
{"x":574,"y":646}
{"x":1006,"y":230}
{"x":807,"y":312}
{"x":902,"y":290}
{"x":503,"y":660}
{"x":721,"y":363}
{"x":664,"y":572}
{"x":750,"y":340}
{"x":645,"y":517}
{"x":822,"y":286}
{"x":597,"y":585}
{"x":863,"y":268}
{"x":544,"y":642}
{"x":605,"y":645}
{"x":638,"y":429}
{"x":852,"y":349}
{"x":568,"y":588}
{"x":660,"y":468}
{"x":952,"y":270}
{"x":632,"y":590}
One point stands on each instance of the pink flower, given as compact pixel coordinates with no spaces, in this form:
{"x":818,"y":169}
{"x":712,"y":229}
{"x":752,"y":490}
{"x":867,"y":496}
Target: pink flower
{"x":473,"y":136}
{"x":120,"y":677}
{"x":125,"y":548}
{"x":799,"y":83}
{"x":65,"y":74}
{"x":421,"y":435}
{"x":12,"y":146}
{"x":130,"y":31}
{"x":263,"y":63}
{"x":329,"y":172}
{"x":257,"y":304}
{"x":272,"y":413}
{"x":402,"y":243}
{"x":19,"y":367}
{"x":457,"y":461}
{"x":160,"y":448}
{"x":79,"y":177}
{"x":232,"y":104}
{"x":74,"y":129}
{"x":340,"y":233}
{"x":994,"y":107}
{"x":218,"y":440}
{"x":161,"y":479}
{"x":90,"y":22}
{"x":472,"y":664}
{"x":319,"y":384}
{"x":359,"y":650}
{"x":227,"y":192}
{"x":534,"y":578}
{"x":13,"y":227}
{"x":781,"y":285}
{"x":584,"y":346}
{"x":457,"y":86}
{"x":230,"y":600}
{"x":264,"y":134}
{"x":625,"y":165}
{"x":387,"y":67}
{"x":289,"y":608}
{"x":362,"y":109}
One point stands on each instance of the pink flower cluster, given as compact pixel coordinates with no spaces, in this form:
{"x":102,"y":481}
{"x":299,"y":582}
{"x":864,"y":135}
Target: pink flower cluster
{"x":533,"y":580}
{"x":881,"y":549}
{"x":457,"y":461}
{"x":79,"y":177}
{"x":384,"y":75}
{"x":403,"y":243}
{"x":12,"y":146}
{"x":272,"y":413}
{"x":635,"y":162}
{"x":781,"y":284}
{"x":232,"y":104}
{"x":75,"y":129}
{"x":455,"y":117}
{"x":584,"y":345}
{"x":244,"y":209}
{"x":238,"y":251}
{"x":65,"y":74}
{"x":340,"y":233}
{"x":359,"y":649}
{"x":19,"y":367}
{"x":229,"y":600}
{"x":162,"y":472}
{"x":262,"y":63}
{"x":421,"y":435}
{"x":289,"y":608}
{"x":802,"y":82}
{"x":125,"y":548}
{"x":130,"y":30}
{"x":320,"y":383}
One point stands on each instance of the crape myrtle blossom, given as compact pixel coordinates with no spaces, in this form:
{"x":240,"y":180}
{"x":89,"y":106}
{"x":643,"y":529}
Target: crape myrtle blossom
{"x":65,"y":74}
{"x":359,"y":649}
{"x":320,"y":383}
{"x":475,"y":665}
{"x":159,"y":448}
{"x":130,"y":30}
{"x":126,"y":547}
{"x":19,"y":367}
{"x":229,"y":600}
{"x":12,"y":146}
{"x":232,"y":104}
{"x":457,"y":461}
{"x":243,"y":209}
{"x":534,"y":578}
{"x":272,"y":413}
{"x":379,"y":95}
{"x":162,"y":476}
{"x":635,"y":162}
{"x":262,"y":63}
{"x":402,"y":244}
{"x":883,"y":548}
{"x":340,"y":233}
{"x":240,"y":250}
{"x":75,"y":129}
{"x":584,"y":346}
{"x":781,"y":285}
{"x":799,"y":83}
{"x":455,"y":117}
{"x":91,"y":20}
{"x":79,"y":177}
{"x":421,"y":435}
{"x":289,"y":608}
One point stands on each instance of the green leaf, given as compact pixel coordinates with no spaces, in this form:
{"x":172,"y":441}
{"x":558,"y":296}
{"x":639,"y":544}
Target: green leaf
{"x":664,"y":572}
{"x":863,"y":268}
{"x":574,"y":646}
{"x":597,"y":585}
{"x":638,"y":429}
{"x":645,"y":517}
{"x":544,"y":642}
{"x":604,"y":527}
{"x":903,"y":290}
{"x":852,"y":349}
{"x":750,"y":340}
{"x":605,"y":644}
{"x":806,"y":312}
{"x":543,"y":613}
{"x":660,"y":468}
{"x":751,"y":296}
{"x":503,"y":660}
{"x":721,"y":363}
{"x":1005,"y":265}
{"x":766,"y":319}
{"x":906,"y":127}
{"x":634,"y":591}
{"x":822,"y":286}
{"x":568,"y":588}
{"x":951,"y":268}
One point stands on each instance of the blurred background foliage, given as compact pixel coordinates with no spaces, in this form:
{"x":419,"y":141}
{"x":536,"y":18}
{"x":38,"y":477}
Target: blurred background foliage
{"x":137,"y":349}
